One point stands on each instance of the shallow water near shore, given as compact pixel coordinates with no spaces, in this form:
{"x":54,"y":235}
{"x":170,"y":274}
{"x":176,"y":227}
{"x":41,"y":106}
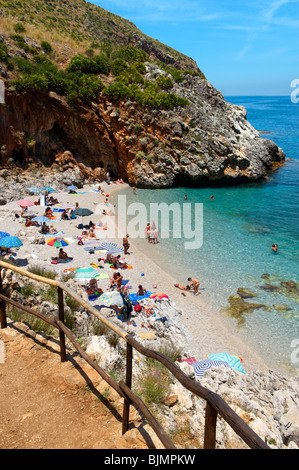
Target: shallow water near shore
{"x":239,"y":227}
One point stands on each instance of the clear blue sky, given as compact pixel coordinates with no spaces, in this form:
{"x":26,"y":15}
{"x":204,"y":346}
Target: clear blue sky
{"x":244,"y":47}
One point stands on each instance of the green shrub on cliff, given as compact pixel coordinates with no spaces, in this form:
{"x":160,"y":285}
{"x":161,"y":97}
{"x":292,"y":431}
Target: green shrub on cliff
{"x":130,"y":54}
{"x":96,"y":64}
{"x":3,"y":53}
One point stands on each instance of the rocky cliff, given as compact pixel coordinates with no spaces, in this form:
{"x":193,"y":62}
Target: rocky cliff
{"x":201,"y":140}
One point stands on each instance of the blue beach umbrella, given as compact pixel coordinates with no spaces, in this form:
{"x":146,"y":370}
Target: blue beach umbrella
{"x":10,"y":242}
{"x":47,"y":188}
{"x":34,"y":189}
{"x":71,"y":188}
{"x":42,"y":218}
{"x":233,"y":361}
{"x":4,"y":234}
{"x":111,"y":298}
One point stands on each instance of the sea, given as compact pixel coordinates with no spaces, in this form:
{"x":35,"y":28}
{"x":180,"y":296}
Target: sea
{"x":239,"y":227}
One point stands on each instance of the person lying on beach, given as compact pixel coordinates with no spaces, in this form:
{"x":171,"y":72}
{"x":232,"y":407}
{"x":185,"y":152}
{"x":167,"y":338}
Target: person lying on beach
{"x":194,"y":284}
{"x":91,"y":234}
{"x":52,"y":229}
{"x":182,"y":287}
{"x":51,"y":201}
{"x":107,"y":213}
{"x":30,"y":223}
{"x":63,"y":255}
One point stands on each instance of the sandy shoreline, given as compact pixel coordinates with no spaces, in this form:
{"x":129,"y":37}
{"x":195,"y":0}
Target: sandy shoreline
{"x":207,"y":333}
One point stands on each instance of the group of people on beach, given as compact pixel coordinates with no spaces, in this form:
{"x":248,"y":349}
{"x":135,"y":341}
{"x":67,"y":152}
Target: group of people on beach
{"x":151,"y":232}
{"x":192,"y":286}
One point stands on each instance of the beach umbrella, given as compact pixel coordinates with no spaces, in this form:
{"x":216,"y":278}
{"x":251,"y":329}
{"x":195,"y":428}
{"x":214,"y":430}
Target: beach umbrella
{"x":34,"y":189}
{"x":4,"y":234}
{"x":57,"y":242}
{"x":233,"y":361}
{"x":72,"y":188}
{"x":47,"y":188}
{"x":111,"y":298}
{"x":110,"y":247}
{"x":201,"y":367}
{"x":25,"y":203}
{"x":10,"y":242}
{"x":85,"y":274}
{"x":82,"y":211}
{"x":42,"y":218}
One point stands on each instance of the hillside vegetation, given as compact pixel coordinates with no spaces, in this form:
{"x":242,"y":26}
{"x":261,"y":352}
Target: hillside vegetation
{"x":81,"y":24}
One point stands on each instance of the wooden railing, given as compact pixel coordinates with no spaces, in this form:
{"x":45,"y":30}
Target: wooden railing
{"x":214,"y":403}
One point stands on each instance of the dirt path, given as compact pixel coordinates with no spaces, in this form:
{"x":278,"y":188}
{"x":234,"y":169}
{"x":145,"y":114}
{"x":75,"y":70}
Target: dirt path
{"x":46,"y":404}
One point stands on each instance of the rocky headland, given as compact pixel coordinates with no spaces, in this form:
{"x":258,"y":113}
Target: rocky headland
{"x":201,"y":140}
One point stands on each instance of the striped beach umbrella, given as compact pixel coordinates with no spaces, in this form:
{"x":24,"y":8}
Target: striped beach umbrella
{"x":201,"y":367}
{"x":110,"y":247}
{"x":86,"y":274}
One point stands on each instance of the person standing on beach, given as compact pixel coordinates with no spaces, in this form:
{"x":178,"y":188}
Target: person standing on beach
{"x":126,"y":244}
{"x":194,"y":283}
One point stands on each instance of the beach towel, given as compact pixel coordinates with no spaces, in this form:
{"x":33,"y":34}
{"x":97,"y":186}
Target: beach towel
{"x":94,"y":295}
{"x":136,"y":298}
{"x":127,"y":267}
{"x":59,"y":260}
{"x":189,"y":360}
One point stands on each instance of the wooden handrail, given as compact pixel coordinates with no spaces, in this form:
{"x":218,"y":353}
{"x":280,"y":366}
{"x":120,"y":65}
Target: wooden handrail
{"x":215,"y":404}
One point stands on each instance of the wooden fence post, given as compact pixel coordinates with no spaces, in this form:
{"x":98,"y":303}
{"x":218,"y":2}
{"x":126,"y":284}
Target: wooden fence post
{"x":126,"y":411}
{"x":3,"y":319}
{"x":61,"y":318}
{"x":210,"y":427}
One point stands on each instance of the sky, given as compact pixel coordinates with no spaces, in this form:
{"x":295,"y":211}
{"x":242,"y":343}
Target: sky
{"x":244,"y":47}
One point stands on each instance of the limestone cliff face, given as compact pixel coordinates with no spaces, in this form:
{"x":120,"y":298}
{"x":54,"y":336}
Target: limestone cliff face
{"x":209,"y":141}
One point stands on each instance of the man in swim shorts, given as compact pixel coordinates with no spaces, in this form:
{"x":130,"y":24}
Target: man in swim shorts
{"x":194,"y":284}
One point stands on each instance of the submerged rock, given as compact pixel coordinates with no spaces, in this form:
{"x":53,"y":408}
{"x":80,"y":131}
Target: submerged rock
{"x":238,"y":307}
{"x":281,"y":308}
{"x":246,"y":293}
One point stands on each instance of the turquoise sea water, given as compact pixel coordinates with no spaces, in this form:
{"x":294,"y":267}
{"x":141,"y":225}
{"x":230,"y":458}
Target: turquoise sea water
{"x":239,"y":227}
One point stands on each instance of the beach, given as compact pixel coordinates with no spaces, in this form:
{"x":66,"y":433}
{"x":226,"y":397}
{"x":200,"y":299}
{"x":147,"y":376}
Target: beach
{"x":205,"y":330}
